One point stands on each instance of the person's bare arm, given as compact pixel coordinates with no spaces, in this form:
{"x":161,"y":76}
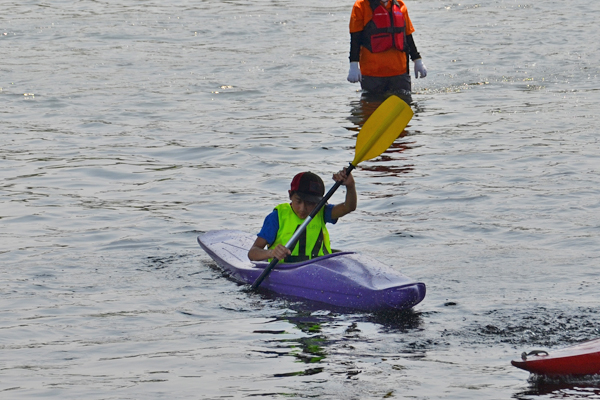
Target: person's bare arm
{"x":349,"y":205}
{"x":259,"y":253}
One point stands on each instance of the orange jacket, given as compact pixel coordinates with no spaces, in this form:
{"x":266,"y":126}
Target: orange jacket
{"x":388,"y":63}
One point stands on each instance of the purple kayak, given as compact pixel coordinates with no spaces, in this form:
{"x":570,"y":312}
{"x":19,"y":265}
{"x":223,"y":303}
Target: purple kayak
{"x":343,"y":279}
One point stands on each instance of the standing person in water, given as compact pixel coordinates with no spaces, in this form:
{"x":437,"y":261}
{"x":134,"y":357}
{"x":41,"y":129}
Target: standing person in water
{"x":306,"y":191}
{"x":381,"y":42}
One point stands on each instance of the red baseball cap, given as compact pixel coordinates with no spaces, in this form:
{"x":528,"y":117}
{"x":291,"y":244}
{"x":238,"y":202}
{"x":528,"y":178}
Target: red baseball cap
{"x":308,"y":186}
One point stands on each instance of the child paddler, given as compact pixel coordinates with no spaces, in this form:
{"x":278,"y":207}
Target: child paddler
{"x":306,"y":190}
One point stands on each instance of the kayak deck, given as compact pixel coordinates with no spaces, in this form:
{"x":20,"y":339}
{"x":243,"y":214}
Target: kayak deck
{"x":343,"y":279}
{"x":581,"y":359}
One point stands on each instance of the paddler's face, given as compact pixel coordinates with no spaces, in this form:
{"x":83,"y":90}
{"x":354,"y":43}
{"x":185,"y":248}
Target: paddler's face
{"x":301,"y":208}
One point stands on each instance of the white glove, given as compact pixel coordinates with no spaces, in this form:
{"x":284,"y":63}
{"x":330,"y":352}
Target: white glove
{"x":354,"y":73}
{"x":420,"y":69}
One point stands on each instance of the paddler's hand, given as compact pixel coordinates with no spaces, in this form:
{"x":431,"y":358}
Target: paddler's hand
{"x":280,"y":252}
{"x":345,"y":179}
{"x":258,"y":252}
{"x":354,"y":73}
{"x":420,"y":69}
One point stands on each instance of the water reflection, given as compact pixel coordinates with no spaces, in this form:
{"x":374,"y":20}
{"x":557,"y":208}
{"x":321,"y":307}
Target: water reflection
{"x":320,"y":333}
{"x":362,"y":109}
{"x":388,"y":162}
{"x":565,"y":388}
{"x":308,"y":348}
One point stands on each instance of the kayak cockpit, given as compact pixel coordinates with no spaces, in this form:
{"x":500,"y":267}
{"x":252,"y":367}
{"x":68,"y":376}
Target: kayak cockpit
{"x":281,"y":266}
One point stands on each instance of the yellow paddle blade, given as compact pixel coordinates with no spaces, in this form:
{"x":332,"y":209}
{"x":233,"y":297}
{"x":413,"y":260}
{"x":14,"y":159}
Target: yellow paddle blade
{"x":382,"y":128}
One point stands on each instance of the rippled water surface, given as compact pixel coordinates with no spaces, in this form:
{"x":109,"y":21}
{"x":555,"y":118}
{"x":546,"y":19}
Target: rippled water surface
{"x":129,"y":128}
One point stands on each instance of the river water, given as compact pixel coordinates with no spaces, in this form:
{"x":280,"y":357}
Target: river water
{"x":128,"y":128}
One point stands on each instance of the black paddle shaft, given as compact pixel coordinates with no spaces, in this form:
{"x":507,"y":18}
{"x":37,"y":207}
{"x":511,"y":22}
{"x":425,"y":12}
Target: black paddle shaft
{"x":292,"y":243}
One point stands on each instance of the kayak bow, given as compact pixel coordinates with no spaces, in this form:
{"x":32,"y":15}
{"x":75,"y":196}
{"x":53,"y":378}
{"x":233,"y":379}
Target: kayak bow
{"x":581,"y":359}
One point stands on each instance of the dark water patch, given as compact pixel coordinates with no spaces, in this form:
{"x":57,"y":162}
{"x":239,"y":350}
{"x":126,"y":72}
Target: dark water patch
{"x":587,"y":387}
{"x":396,"y":321}
{"x":168,"y":261}
{"x":539,"y":326}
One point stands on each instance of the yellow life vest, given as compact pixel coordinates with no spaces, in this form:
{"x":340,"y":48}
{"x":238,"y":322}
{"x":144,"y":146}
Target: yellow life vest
{"x":312,"y":243}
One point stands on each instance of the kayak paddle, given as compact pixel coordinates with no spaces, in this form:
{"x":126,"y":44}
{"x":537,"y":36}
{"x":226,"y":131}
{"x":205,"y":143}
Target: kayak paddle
{"x":377,"y":134}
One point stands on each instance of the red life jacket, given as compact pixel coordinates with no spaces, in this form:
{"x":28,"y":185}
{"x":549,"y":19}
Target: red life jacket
{"x":385,"y":30}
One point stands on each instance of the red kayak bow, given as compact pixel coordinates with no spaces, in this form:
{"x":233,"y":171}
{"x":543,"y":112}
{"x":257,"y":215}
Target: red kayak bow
{"x":581,"y":359}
